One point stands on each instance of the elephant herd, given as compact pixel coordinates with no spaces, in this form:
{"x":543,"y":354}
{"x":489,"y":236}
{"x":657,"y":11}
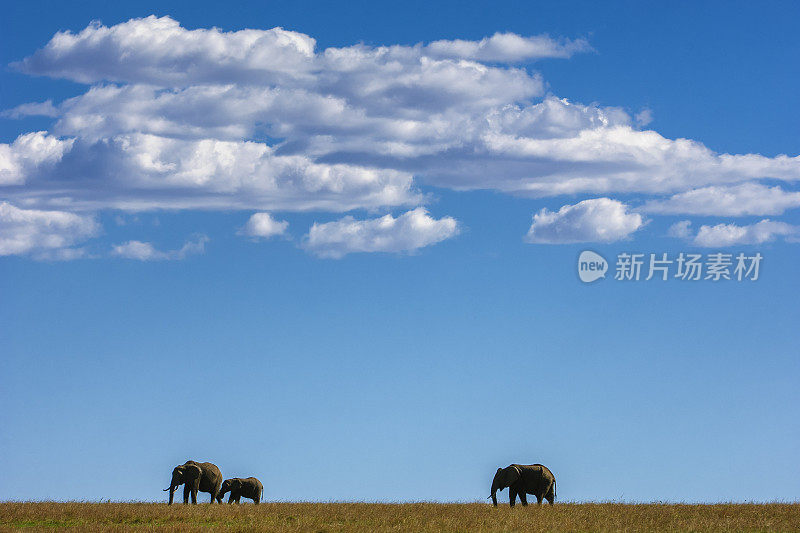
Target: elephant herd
{"x":520,"y":480}
{"x":206,"y":477}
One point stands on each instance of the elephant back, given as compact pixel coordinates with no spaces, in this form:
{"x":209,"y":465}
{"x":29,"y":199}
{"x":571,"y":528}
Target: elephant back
{"x":546,"y":471}
{"x":537,"y":474}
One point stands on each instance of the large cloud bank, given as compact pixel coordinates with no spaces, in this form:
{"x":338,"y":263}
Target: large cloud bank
{"x":263,"y":120}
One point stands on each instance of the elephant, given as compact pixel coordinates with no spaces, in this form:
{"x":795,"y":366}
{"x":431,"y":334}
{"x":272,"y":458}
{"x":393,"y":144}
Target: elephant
{"x":525,"y":479}
{"x":248,"y":487}
{"x":195,"y":476}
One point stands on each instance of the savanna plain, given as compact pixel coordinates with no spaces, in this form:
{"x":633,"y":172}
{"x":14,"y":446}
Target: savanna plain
{"x":417,"y":517}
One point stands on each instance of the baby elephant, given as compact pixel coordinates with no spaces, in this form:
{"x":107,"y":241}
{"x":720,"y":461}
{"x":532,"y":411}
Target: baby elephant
{"x":248,"y":487}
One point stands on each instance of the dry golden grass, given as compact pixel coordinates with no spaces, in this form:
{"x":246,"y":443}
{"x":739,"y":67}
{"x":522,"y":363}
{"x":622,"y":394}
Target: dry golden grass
{"x":417,"y":517}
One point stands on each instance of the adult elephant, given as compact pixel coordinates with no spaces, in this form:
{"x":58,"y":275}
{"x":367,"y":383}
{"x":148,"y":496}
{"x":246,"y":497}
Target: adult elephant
{"x":249,"y":487}
{"x":194,"y":476}
{"x":525,"y":479}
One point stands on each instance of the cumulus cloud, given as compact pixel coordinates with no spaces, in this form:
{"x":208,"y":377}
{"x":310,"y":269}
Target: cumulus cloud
{"x":723,"y":235}
{"x":263,"y":120}
{"x":406,"y":233}
{"x":158,"y":50}
{"x":28,"y":154}
{"x":43,"y":234}
{"x":139,"y":171}
{"x":145,"y":251}
{"x":263,"y":226}
{"x":595,"y":220}
{"x":737,"y":200}
{"x":437,"y":111}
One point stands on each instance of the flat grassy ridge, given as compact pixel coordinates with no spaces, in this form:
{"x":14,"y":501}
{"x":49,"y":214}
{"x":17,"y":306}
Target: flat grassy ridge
{"x":417,"y":517}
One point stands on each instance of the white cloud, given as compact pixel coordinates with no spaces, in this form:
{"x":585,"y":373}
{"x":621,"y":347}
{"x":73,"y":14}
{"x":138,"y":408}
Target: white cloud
{"x":138,"y":171}
{"x":508,"y":48}
{"x":35,"y":109}
{"x":406,"y":233}
{"x":432,"y":110}
{"x":43,"y":234}
{"x":617,"y":158}
{"x":643,"y":117}
{"x":681,"y":229}
{"x":264,"y":226}
{"x":737,"y":200}
{"x":28,"y":154}
{"x":723,"y":235}
{"x":157,"y":50}
{"x":595,"y":220}
{"x":145,"y":251}
{"x":261,"y":120}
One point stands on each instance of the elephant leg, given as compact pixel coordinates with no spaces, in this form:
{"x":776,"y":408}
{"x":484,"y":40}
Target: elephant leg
{"x":186,"y":490}
{"x":194,"y":495}
{"x":230,"y":498}
{"x":538,"y":499}
{"x":512,"y":496}
{"x":523,"y":499}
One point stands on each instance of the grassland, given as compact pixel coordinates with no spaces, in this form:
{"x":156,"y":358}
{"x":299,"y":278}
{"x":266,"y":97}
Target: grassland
{"x":417,"y":517}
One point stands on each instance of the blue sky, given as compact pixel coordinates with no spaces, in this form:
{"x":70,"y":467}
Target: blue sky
{"x":321,"y":268}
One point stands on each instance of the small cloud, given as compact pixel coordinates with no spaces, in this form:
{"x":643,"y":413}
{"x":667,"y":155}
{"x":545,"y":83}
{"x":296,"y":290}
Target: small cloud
{"x":680,"y":230}
{"x":594,"y":220}
{"x":736,"y":200}
{"x":145,"y":251}
{"x":124,"y":220}
{"x":35,"y":109}
{"x":48,"y":235}
{"x":508,"y":48}
{"x":406,"y":233}
{"x":731,"y":234}
{"x":262,"y":225}
{"x":643,"y":117}
{"x":60,"y":254}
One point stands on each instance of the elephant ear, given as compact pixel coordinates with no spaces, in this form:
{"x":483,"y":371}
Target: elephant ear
{"x":510,"y":475}
{"x":236,"y":484}
{"x":193,"y":471}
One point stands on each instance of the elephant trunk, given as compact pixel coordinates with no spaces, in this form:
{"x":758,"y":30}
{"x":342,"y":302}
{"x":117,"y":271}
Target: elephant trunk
{"x":495,"y":487}
{"x":171,"y":490}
